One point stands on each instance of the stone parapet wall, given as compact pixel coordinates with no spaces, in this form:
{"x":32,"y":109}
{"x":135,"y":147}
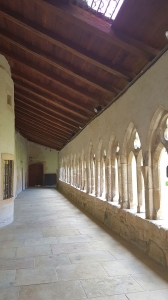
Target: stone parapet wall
{"x":147,"y":235}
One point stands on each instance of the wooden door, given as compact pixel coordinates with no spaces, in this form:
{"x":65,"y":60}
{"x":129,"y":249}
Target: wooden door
{"x":36,"y":174}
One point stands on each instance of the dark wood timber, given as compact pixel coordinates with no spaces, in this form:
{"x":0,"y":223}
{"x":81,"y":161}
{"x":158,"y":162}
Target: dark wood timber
{"x":42,"y":120}
{"x":64,"y":101}
{"x":56,"y":104}
{"x":77,"y":50}
{"x":84,"y":18}
{"x":66,"y":61}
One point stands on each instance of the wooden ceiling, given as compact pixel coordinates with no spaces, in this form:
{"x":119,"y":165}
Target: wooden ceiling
{"x":66,"y":61}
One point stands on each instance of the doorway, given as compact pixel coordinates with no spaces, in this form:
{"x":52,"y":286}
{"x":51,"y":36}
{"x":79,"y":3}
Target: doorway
{"x":36,"y":174}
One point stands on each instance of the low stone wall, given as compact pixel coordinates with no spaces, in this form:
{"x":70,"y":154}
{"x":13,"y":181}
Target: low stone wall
{"x":145,"y":234}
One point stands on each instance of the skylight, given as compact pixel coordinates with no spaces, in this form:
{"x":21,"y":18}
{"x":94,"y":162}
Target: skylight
{"x":108,"y":8}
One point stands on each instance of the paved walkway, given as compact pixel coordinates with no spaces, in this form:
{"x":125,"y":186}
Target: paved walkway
{"x":54,"y":251}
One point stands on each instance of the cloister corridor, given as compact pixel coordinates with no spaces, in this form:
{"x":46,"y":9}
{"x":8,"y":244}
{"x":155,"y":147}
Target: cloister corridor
{"x":53,"y":250}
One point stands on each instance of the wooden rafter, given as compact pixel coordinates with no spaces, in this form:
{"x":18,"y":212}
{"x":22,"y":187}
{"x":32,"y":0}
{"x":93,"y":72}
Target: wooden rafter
{"x":38,"y":141}
{"x":27,"y":122}
{"x":98,"y":27}
{"x":51,"y":76}
{"x":39,"y":135}
{"x":38,"y":132}
{"x":47,"y":100}
{"x":64,"y":100}
{"x":69,"y":46}
{"x":42,"y":120}
{"x":65,"y":67}
{"x":43,"y":116}
{"x":19,"y":99}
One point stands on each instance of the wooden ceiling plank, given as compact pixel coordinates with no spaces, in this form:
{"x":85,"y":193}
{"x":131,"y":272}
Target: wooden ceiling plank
{"x":21,"y":112}
{"x":36,"y":134}
{"x":88,"y":21}
{"x":48,"y":109}
{"x":72,"y":47}
{"x":68,"y":100}
{"x":53,"y":102}
{"x":35,"y":123}
{"x":26,"y":124}
{"x":35,"y":131}
{"x":18,"y":99}
{"x":31,"y":112}
{"x":42,"y":143}
{"x":65,"y":67}
{"x":95,"y":99}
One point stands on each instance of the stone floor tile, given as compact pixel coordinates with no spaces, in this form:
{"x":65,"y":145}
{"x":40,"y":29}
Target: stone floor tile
{"x":11,"y":293}
{"x":126,"y":254}
{"x":5,"y":237}
{"x":115,"y":297}
{"x":17,"y":263}
{"x":12,"y":244}
{"x":70,"y":248}
{"x":52,"y":260}
{"x":150,"y":295}
{"x":59,"y":232}
{"x":74,"y":239}
{"x":33,"y":251}
{"x":35,"y":276}
{"x":30,"y":235}
{"x":41,"y":241}
{"x":80,"y":271}
{"x":7,"y":278}
{"x":53,"y":291}
{"x":107,"y":245}
{"x":110,"y":286}
{"x":125,"y":267}
{"x":7,"y":253}
{"x":91,"y":256}
{"x":151,"y":281}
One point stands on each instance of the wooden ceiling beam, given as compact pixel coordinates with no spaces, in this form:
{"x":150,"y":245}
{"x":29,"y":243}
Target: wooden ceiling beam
{"x":42,"y":120}
{"x":56,"y":104}
{"x":95,"y":25}
{"x":39,"y":142}
{"x":26,"y":124}
{"x":66,"y":84}
{"x":38,"y":135}
{"x":42,"y":117}
{"x":61,"y":42}
{"x":53,"y":110}
{"x":65,"y":67}
{"x":37,"y":131}
{"x":40,"y":108}
{"x":36,"y":124}
{"x":64,"y":99}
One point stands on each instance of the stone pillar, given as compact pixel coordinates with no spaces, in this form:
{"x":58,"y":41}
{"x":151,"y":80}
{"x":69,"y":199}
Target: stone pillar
{"x":124,"y":196}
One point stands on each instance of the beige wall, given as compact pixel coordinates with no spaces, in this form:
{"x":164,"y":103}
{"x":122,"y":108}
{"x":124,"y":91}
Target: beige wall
{"x":6,"y":135}
{"x":49,"y":157}
{"x":143,"y":108}
{"x":137,"y":105}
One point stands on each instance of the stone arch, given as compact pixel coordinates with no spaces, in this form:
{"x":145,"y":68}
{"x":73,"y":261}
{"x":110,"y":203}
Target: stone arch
{"x":154,"y":146}
{"x":129,"y":164}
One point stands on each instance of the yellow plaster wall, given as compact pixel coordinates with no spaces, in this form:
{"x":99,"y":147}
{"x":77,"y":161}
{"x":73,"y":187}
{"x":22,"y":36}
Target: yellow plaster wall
{"x":48,"y":156}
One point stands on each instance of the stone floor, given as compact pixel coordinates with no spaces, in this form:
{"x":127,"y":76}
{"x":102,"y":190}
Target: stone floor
{"x":54,"y":251}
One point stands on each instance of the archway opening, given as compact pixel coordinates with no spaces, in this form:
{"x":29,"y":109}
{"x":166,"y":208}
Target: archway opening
{"x":163,"y":170}
{"x":134,"y":181}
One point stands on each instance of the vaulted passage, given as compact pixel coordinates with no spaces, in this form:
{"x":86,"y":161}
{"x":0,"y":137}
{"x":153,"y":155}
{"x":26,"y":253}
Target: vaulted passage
{"x":53,"y":251}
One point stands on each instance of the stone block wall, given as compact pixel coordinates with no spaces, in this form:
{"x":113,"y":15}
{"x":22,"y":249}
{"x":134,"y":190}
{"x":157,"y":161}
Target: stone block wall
{"x":147,"y":235}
